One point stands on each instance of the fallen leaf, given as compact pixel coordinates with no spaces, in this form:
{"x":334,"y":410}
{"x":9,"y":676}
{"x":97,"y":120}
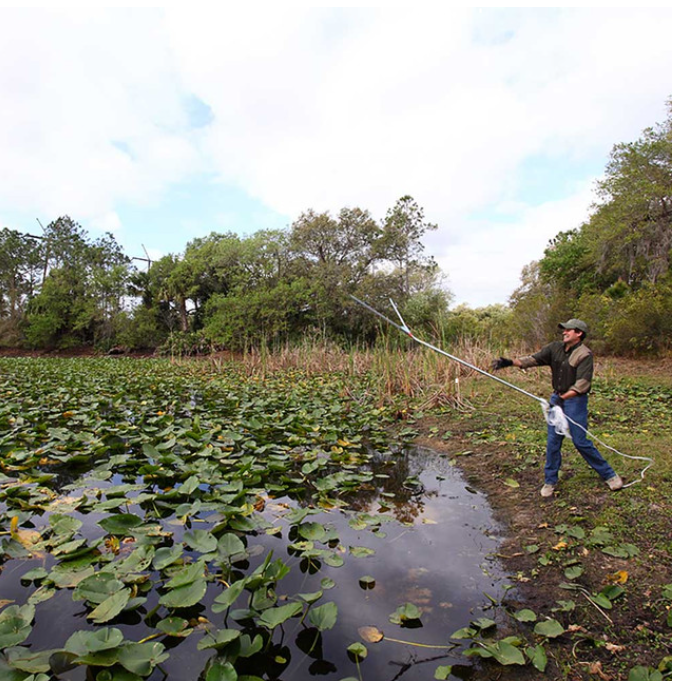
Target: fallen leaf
{"x":619,"y":577}
{"x":612,"y":648}
{"x":370,"y":634}
{"x":595,"y":669}
{"x":559,"y":546}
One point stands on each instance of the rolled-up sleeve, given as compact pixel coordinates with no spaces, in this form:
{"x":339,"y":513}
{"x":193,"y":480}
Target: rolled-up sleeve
{"x":541,"y":358}
{"x":584,"y":372}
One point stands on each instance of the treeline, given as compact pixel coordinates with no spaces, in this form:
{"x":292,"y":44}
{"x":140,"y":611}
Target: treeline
{"x":61,"y":289}
{"x":225,"y":291}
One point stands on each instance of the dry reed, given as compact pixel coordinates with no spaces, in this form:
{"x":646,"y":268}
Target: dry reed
{"x":413,"y":373}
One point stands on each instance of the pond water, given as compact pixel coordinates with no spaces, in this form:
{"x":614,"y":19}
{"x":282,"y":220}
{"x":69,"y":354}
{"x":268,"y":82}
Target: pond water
{"x":434,"y":550}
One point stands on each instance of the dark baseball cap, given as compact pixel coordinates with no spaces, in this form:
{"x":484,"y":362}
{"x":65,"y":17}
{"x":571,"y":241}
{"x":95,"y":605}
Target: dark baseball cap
{"x":577,"y":324}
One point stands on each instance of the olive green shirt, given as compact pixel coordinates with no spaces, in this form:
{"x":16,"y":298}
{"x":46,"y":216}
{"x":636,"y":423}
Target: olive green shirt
{"x":572,"y":369}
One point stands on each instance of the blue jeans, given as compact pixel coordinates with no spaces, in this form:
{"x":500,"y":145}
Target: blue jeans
{"x":574,"y":408}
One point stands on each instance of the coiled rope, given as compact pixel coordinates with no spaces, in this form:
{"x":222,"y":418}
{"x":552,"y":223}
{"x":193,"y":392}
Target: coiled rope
{"x":554,"y":415}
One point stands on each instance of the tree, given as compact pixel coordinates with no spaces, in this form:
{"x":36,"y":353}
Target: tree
{"x":617,"y":263}
{"x":20,"y":273}
{"x":80,"y":298}
{"x":403,"y":230}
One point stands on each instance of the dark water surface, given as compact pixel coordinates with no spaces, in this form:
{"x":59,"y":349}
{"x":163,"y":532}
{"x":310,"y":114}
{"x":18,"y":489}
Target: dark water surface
{"x":435,"y":554}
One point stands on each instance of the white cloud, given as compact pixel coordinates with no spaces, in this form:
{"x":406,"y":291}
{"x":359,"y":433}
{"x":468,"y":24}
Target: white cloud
{"x":326,"y":107}
{"x":108,"y":222}
{"x":485,"y":262}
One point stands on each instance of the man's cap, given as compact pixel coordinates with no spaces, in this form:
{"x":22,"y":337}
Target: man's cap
{"x":578,"y":324}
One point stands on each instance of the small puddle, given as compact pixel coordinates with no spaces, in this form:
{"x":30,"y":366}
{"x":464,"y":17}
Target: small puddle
{"x":435,"y":552}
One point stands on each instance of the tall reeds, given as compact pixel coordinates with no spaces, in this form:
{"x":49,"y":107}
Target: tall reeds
{"x":391,"y":371}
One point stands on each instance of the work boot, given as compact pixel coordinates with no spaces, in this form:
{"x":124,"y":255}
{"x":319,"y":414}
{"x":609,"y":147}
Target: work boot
{"x":615,"y":483}
{"x":547,"y":490}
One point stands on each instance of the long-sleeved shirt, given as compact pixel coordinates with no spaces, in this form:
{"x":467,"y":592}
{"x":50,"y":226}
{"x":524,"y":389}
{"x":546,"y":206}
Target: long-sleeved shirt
{"x":572,"y":369}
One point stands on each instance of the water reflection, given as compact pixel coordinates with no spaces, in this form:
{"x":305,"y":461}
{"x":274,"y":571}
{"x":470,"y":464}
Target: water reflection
{"x":414,"y":534}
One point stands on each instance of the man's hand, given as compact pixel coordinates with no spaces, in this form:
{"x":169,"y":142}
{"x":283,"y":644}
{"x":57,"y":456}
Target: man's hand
{"x":556,"y":400}
{"x":501,"y":363}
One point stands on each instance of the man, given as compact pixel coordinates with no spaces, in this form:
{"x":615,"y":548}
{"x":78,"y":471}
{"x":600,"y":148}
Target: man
{"x":572,"y":366}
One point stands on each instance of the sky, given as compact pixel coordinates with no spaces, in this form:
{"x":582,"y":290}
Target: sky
{"x":163,"y":125}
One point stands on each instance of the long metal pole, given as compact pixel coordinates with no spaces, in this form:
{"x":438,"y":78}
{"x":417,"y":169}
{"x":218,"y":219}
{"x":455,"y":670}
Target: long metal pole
{"x":405,"y":329}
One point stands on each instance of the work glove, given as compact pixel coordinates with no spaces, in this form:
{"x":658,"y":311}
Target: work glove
{"x":501,"y":363}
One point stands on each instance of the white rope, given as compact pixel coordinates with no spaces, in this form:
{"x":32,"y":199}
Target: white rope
{"x":554,"y":415}
{"x":556,"y":418}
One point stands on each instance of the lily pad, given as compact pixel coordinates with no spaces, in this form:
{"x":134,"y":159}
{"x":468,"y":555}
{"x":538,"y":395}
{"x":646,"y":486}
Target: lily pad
{"x":120,"y":523}
{"x":324,"y":616}
{"x":15,"y":624}
{"x":273,"y":617}
{"x":549,"y":628}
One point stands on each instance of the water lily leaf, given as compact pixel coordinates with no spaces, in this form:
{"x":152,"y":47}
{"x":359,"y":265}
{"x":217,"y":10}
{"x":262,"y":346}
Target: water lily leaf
{"x":34,"y":575}
{"x":221,"y":638}
{"x":44,"y":593}
{"x":549,"y":628}
{"x":370,"y":634}
{"x":165,"y":556}
{"x":510,"y":482}
{"x":110,"y":607}
{"x":525,"y":615}
{"x":191,"y":484}
{"x":120,"y":523}
{"x":573,"y":572}
{"x":15,"y":624}
{"x":361,"y":551}
{"x":28,"y":661}
{"x":621,"y":551}
{"x":97,"y":587}
{"x":641,"y":673}
{"x":405,"y":613}
{"x":333,"y":559}
{"x":228,"y":596}
{"x":221,"y":671}
{"x":465,"y":632}
{"x":503,"y":652}
{"x":175,"y":626}
{"x":311,"y":597}
{"x":442,"y":672}
{"x":200,"y":540}
{"x":184,"y":596}
{"x":312,"y":531}
{"x":141,"y":658}
{"x":101,"y":658}
{"x":186,"y":575}
{"x":602,"y":601}
{"x":612,"y":591}
{"x":538,"y":657}
{"x":230,"y":545}
{"x":367,"y":582}
{"x":83,"y":642}
{"x":64,"y":524}
{"x":358,"y":650}
{"x":249,"y":647}
{"x":273,"y":617}
{"x":324,"y":616}
{"x":483,"y":623}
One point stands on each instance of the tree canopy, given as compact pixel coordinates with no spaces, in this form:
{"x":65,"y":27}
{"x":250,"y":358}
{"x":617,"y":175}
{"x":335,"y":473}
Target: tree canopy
{"x":63,"y":289}
{"x":616,"y":269}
